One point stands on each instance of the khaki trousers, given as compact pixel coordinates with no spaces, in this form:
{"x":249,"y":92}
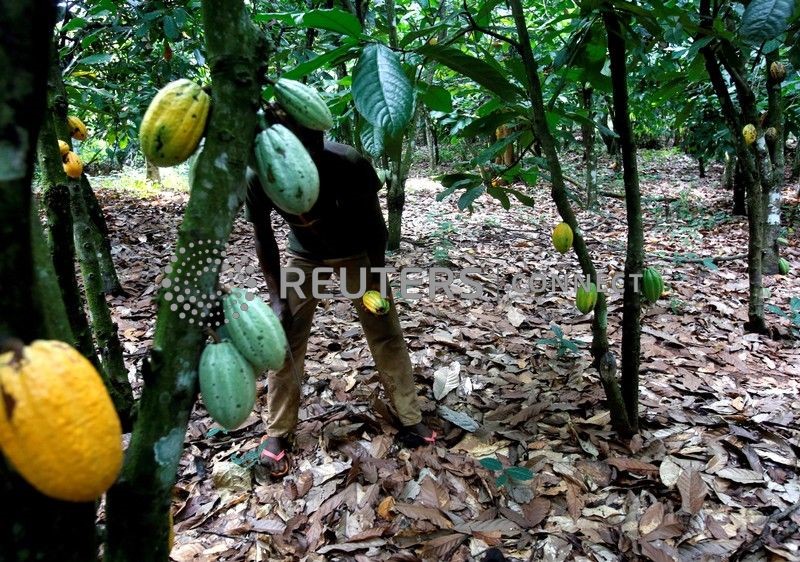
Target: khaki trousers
{"x":383,"y":333}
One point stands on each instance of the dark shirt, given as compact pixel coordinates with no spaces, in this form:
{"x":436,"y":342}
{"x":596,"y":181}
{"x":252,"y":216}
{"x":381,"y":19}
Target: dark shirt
{"x":346,"y":219}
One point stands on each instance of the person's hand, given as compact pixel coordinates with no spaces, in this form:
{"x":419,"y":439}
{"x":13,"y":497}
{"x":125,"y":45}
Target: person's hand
{"x":281,"y":309}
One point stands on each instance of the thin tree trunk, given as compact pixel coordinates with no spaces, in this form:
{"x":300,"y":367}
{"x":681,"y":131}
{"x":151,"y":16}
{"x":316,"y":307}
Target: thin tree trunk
{"x":634,"y":257}
{"x":236,"y":51}
{"x":772,"y":196}
{"x":559,"y":193}
{"x":589,"y":154}
{"x":739,"y":190}
{"x":727,"y":172}
{"x":430,"y":140}
{"x":34,"y":527}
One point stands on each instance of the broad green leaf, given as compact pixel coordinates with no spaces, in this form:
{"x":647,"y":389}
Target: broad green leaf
{"x":330,"y":58}
{"x":476,"y":69}
{"x":335,"y":20}
{"x":765,"y":19}
{"x":501,"y":480}
{"x":438,"y":99}
{"x":488,"y":154}
{"x":74,"y":23}
{"x":381,"y":90}
{"x":490,"y":463}
{"x":170,"y":29}
{"x":100,"y":58}
{"x":469,"y":197}
{"x":500,"y":194}
{"x":427,"y":32}
{"x":372,"y":140}
{"x":283,"y":17}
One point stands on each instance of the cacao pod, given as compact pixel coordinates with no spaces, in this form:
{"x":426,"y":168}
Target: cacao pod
{"x":585,"y":299}
{"x":227,"y":383}
{"x":652,"y":284}
{"x":63,"y":147}
{"x":749,"y":133}
{"x":174,"y":123}
{"x":375,"y":303}
{"x":562,"y":237}
{"x":73,"y":166}
{"x":304,"y":104}
{"x":783,"y":266}
{"x":58,"y":426}
{"x":777,"y":71}
{"x":771,"y":134}
{"x":288,"y":175}
{"x":76,"y":128}
{"x":254,"y":330}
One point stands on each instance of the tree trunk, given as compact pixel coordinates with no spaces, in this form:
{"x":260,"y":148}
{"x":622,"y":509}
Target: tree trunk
{"x":634,"y":258}
{"x":152,"y":172}
{"x":739,"y":190}
{"x":701,"y":166}
{"x":772,"y":196}
{"x":589,"y":154}
{"x":236,"y":52}
{"x":559,"y":193}
{"x":430,"y":141}
{"x":727,"y":172}
{"x":34,"y":527}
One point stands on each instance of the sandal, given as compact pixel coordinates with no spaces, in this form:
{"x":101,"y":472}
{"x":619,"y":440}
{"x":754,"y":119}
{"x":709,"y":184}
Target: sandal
{"x":413,"y":440}
{"x":281,"y":459}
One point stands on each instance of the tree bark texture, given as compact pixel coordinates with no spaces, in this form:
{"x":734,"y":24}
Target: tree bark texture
{"x":589,"y":153}
{"x":634,"y":256}
{"x":235,"y":53}
{"x":772,"y":196}
{"x":561,"y":199}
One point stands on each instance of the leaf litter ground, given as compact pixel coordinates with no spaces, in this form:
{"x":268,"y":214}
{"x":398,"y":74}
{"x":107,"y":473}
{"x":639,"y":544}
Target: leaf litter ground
{"x":712,"y":476}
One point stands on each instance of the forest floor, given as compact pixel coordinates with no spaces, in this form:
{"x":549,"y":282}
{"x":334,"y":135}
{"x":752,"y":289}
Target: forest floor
{"x":713,"y":471}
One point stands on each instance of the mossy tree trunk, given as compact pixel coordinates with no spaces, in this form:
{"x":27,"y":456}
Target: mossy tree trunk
{"x":634,"y":256}
{"x":235,"y":52}
{"x":750,"y":161}
{"x":34,"y":527}
{"x":772,"y":196}
{"x":600,"y":351}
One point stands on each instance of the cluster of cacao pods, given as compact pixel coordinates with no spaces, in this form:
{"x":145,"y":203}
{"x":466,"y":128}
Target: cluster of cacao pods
{"x":58,"y":425}
{"x":287,"y":173}
{"x":251,"y":341}
{"x":73,"y":166}
{"x":174,"y":123}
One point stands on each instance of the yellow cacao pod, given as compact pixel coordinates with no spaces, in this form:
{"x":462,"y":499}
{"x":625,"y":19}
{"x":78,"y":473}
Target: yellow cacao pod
{"x":375,"y":303}
{"x":76,"y":128}
{"x":63,"y":147}
{"x":562,"y":237}
{"x":73,"y":166}
{"x":174,"y":123}
{"x":749,"y":134}
{"x":777,"y":71}
{"x":58,"y":426}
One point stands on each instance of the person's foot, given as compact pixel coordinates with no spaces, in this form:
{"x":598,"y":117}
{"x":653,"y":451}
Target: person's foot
{"x":418,"y":435}
{"x":275,"y":456}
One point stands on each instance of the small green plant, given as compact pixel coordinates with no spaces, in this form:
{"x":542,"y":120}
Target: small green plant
{"x":507,"y":474}
{"x":441,"y":251}
{"x":562,"y":344}
{"x":677,"y":306}
{"x":793,"y":315}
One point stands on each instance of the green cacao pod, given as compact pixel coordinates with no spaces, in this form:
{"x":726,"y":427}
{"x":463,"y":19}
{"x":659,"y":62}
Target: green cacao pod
{"x":777,"y":71}
{"x":375,"y":303}
{"x":652,"y":284}
{"x":749,"y":133}
{"x":174,"y":123}
{"x":254,"y":330}
{"x":562,"y":238}
{"x":783,"y":266}
{"x":304,"y":104}
{"x":227,"y":383}
{"x":288,"y":175}
{"x":585,"y":299}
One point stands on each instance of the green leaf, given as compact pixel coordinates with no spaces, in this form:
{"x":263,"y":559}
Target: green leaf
{"x":74,"y":23}
{"x":519,"y":473}
{"x":335,"y":20}
{"x":283,"y":17}
{"x":469,"y":197}
{"x":526,"y":200}
{"x":381,"y":90}
{"x":100,"y":58}
{"x":372,"y":140}
{"x":490,"y":463}
{"x":330,"y":58}
{"x":476,"y":69}
{"x":765,"y":19}
{"x":500,"y":194}
{"x":438,"y":99}
{"x":426,"y":31}
{"x":170,"y":29}
{"x":501,"y":480}
{"x":448,"y":180}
